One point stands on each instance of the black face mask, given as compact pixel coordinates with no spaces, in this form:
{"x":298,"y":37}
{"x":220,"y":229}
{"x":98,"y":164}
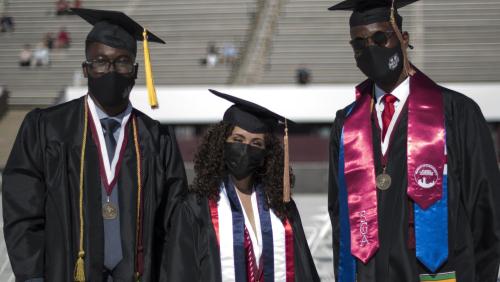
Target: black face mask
{"x":381,"y":64}
{"x":111,"y":89}
{"x":242,"y":159}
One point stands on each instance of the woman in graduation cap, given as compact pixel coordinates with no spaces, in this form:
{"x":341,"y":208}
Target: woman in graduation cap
{"x":414,"y":182}
{"x":89,"y":184}
{"x":238,"y":223}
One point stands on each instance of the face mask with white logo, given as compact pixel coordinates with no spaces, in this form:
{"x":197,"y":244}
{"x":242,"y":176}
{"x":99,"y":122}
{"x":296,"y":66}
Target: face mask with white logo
{"x":381,"y":64}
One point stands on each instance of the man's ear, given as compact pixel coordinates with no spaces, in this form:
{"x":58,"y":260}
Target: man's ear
{"x":406,"y":39}
{"x":85,"y":71}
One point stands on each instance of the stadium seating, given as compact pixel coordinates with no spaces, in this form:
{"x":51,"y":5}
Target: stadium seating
{"x":451,"y":45}
{"x":187,"y":26}
{"x":455,"y":41}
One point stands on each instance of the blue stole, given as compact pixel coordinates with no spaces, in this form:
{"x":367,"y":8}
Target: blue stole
{"x":239,"y":229}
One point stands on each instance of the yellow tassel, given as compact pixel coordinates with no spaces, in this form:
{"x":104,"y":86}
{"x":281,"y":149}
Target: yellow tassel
{"x":153,"y":100}
{"x":80,"y":268}
{"x":406,"y":62}
{"x":286,"y":169}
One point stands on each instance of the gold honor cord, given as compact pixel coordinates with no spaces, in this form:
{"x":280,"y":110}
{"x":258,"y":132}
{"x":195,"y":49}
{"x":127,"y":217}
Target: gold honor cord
{"x":79,"y":274}
{"x":80,"y":263}
{"x":153,"y":100}
{"x":139,"y":193}
{"x":286,"y":169}
{"x":407,"y":66}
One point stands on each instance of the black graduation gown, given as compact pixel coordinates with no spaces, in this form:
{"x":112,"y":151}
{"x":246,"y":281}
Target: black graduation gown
{"x":193,"y":251}
{"x":41,"y":196}
{"x":473,"y":199}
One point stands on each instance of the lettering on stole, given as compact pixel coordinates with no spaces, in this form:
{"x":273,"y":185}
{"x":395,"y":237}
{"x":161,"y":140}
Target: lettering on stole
{"x":363,"y":229}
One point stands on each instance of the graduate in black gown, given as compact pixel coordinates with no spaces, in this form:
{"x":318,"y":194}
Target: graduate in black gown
{"x":90,"y":184}
{"x":400,"y":209}
{"x":238,"y":222}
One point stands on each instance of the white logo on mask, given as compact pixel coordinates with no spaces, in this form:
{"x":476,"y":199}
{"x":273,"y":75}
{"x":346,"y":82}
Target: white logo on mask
{"x":394,"y":62}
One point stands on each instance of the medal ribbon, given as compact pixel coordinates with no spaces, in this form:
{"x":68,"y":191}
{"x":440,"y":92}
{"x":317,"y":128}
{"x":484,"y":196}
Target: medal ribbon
{"x":102,"y":171}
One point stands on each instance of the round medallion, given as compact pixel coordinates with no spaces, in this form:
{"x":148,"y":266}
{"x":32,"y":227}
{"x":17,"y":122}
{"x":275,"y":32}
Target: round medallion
{"x":109,"y":211}
{"x":383,"y":181}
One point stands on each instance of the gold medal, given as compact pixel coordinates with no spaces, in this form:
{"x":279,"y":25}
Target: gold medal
{"x":109,"y":211}
{"x":383,"y":181}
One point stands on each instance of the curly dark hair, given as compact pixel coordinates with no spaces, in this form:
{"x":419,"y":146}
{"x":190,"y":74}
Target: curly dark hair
{"x":210,"y":169}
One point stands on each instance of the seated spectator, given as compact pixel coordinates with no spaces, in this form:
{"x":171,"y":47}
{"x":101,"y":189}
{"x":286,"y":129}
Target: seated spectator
{"x":77,"y":4}
{"x":6,"y":23}
{"x":25,"y":56}
{"x":41,"y":55}
{"x":212,"y":55}
{"x":49,"y":40}
{"x":230,"y":53}
{"x":303,"y":76}
{"x":62,"y":7}
{"x":63,"y":39}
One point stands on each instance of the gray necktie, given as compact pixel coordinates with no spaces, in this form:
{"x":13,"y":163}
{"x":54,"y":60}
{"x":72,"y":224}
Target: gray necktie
{"x":110,"y":126}
{"x":112,"y":236}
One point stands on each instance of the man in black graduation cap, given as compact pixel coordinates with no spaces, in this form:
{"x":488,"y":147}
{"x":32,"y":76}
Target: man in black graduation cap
{"x":89,"y":185}
{"x":414,"y":185}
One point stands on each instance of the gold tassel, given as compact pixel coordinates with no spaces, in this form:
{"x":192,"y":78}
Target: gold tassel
{"x":153,"y":100}
{"x":286,"y":169}
{"x":80,"y":268}
{"x":407,"y":66}
{"x":80,"y":263}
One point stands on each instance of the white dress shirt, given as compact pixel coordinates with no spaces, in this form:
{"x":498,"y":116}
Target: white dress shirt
{"x":401,"y":92}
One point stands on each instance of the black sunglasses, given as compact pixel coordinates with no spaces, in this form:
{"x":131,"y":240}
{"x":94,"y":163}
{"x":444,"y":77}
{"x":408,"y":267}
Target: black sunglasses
{"x":379,"y":38}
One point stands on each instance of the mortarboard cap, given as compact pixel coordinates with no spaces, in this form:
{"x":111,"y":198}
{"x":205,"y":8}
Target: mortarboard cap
{"x":114,"y":29}
{"x":118,"y":30}
{"x":371,"y":11}
{"x":249,"y":116}
{"x":257,"y":119}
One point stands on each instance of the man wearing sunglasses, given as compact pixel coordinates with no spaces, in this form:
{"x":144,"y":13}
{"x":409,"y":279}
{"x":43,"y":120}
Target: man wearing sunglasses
{"x":90,"y":184}
{"x":414,"y":185}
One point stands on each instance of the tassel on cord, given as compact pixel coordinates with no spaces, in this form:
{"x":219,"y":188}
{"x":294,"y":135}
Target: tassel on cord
{"x":407,"y":66}
{"x":153,"y":100}
{"x":80,"y":263}
{"x":286,"y":169}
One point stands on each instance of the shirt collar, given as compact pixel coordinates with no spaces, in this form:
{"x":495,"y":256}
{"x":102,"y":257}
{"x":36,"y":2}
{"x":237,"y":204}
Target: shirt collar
{"x":401,"y":91}
{"x":101,"y":114}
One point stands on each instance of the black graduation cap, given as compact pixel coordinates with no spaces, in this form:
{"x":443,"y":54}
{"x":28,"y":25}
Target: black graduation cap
{"x":114,"y":29}
{"x":250,"y":116}
{"x":118,"y":30}
{"x":371,"y":11}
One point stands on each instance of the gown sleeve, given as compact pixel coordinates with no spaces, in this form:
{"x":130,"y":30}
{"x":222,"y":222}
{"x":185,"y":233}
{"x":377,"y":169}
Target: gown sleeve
{"x":23,"y":199}
{"x":333,"y":188}
{"x":183,"y":258}
{"x":305,"y":270}
{"x":175,"y":187}
{"x":481,"y":180}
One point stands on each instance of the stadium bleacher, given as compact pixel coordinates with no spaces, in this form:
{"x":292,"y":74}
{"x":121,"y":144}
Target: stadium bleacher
{"x":186,"y":26}
{"x":452,"y":45}
{"x":455,"y":41}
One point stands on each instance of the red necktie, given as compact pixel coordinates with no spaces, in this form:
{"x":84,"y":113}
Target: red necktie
{"x":388,"y":112}
{"x":250,"y":258}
